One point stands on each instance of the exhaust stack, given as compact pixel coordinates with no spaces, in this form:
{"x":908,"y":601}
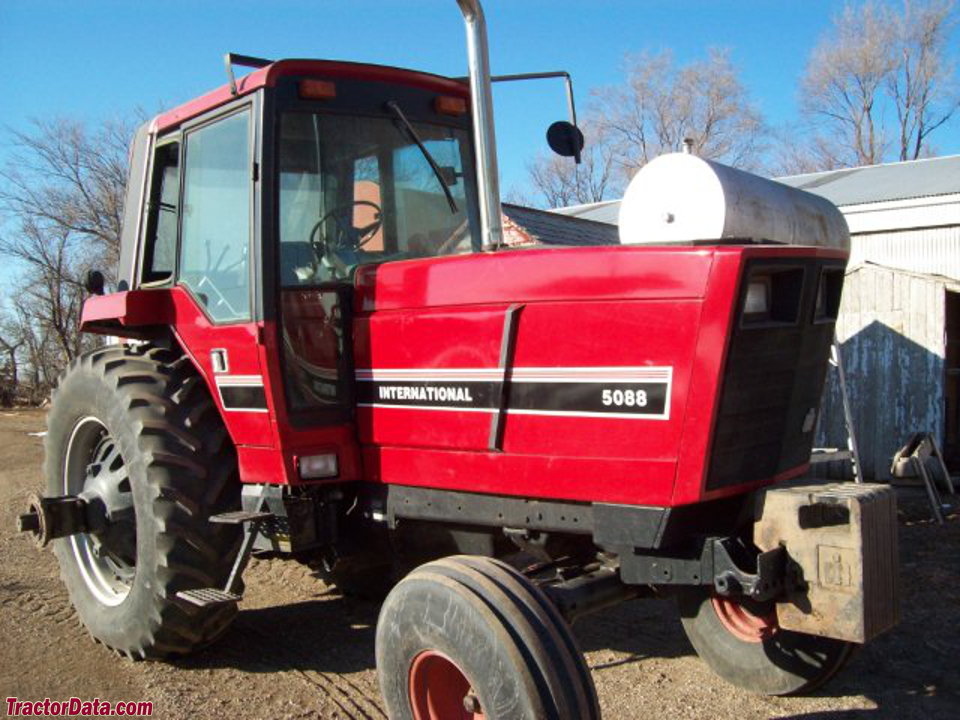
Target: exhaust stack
{"x":481,"y":99}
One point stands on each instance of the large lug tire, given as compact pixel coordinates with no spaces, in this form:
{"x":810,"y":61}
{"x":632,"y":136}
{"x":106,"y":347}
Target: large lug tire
{"x":470,"y":637}
{"x":742,"y":643}
{"x":136,"y":430}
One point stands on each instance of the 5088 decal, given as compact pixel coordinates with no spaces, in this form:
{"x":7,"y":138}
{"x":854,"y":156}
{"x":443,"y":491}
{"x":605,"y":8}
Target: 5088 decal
{"x":624,"y":398}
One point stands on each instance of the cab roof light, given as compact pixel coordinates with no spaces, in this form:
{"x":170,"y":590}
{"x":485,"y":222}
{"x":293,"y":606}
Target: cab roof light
{"x":449,"y":105}
{"x":317,"y":90}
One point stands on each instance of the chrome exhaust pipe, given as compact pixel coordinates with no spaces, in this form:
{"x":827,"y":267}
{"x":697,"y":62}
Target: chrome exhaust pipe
{"x":484,"y":140}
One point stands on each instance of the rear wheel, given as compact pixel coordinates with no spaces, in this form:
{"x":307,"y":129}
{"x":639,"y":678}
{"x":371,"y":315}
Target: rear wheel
{"x":135,"y":433}
{"x":742,"y":643}
{"x":469,"y":637}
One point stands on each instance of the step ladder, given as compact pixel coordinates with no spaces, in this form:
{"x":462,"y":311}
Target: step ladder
{"x":911,"y":461}
{"x":852,"y":453}
{"x":213,"y":597}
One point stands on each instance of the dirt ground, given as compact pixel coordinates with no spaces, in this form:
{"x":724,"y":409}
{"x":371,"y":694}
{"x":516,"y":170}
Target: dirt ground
{"x":300,"y":650}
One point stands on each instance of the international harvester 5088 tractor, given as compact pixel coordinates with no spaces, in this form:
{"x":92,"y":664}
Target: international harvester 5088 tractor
{"x":329,"y":353}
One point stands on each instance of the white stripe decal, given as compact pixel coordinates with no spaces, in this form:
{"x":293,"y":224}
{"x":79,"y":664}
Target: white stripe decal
{"x":596,"y":392}
{"x":239,"y":380}
{"x":228,"y":382}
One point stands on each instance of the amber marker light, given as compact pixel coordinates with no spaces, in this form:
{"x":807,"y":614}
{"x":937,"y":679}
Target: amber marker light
{"x":449,"y":105}
{"x":317,"y":90}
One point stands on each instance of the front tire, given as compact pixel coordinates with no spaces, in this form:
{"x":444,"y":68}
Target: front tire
{"x":135,"y":431}
{"x":470,"y":637}
{"x":742,"y":643}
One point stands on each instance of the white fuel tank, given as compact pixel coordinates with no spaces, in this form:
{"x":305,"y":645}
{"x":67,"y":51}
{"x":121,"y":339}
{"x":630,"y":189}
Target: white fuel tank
{"x":680,"y":198}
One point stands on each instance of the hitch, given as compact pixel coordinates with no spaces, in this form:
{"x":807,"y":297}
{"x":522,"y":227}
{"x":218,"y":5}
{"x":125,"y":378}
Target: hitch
{"x":766,"y":583}
{"x":721,"y":563}
{"x":56,"y":517}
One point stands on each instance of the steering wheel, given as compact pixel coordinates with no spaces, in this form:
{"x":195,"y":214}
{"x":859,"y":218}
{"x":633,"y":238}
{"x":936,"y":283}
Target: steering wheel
{"x":348,"y":237}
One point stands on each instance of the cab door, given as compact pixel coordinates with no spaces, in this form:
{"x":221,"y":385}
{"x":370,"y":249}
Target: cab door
{"x":197,"y":248}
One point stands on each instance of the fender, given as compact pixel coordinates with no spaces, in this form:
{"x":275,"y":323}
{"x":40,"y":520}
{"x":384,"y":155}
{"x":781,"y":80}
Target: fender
{"x":136,"y":314}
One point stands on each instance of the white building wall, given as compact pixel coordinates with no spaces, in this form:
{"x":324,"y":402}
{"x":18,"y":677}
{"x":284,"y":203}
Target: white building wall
{"x":933,"y":251}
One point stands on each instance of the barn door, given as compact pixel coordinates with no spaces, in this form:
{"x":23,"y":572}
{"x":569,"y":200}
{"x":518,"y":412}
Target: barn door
{"x":951,"y":448}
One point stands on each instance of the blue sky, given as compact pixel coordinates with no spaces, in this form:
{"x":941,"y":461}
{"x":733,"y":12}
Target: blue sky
{"x":102,"y":58}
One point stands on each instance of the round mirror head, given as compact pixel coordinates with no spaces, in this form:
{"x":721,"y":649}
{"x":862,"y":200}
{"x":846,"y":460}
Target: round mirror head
{"x":565,"y":139}
{"x":94,"y":282}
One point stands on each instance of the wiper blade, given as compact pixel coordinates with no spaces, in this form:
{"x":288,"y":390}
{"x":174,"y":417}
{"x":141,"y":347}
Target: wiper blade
{"x":398,"y":113}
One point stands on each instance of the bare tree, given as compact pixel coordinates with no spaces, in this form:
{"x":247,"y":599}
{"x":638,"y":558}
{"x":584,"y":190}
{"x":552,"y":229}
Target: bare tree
{"x":873,"y":64}
{"x":62,"y":196}
{"x":661,"y":104}
{"x":843,"y":84}
{"x":559,"y":181}
{"x":66,"y":179}
{"x":796,"y":151}
{"x":922,"y":85}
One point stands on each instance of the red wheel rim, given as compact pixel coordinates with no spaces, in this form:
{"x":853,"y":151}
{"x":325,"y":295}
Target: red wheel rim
{"x":744,"y":624}
{"x":438,"y":688}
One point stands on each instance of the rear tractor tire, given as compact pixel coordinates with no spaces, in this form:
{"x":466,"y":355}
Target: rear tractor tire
{"x":134,"y":430}
{"x":470,"y":637}
{"x":742,"y":643}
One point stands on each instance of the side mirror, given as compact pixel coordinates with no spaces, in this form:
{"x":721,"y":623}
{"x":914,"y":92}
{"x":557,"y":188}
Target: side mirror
{"x":450,"y":175}
{"x":94,"y":282}
{"x":565,"y":139}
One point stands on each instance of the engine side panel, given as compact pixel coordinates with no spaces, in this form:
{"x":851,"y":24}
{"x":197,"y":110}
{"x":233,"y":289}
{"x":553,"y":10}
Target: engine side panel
{"x":606,"y":390}
{"x":592,"y":387}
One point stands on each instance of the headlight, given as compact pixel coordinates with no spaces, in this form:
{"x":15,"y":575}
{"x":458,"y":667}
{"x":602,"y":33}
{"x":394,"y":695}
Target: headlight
{"x":757,"y":301}
{"x":773,"y":296}
{"x":318,"y":466}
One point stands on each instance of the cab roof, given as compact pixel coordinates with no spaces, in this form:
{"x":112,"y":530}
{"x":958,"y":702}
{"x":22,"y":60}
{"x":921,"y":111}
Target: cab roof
{"x":268,"y":76}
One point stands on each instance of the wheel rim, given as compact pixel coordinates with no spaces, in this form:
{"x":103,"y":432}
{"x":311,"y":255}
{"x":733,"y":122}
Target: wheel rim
{"x":95,"y":470}
{"x":439,"y":689}
{"x":752,"y":625}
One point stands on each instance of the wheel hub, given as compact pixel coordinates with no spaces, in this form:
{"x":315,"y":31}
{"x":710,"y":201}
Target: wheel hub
{"x":750,"y":624}
{"x":94,"y":471}
{"x":439,"y":689}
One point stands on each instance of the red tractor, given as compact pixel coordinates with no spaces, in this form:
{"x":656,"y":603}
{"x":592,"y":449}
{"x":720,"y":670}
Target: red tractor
{"x":328,"y":353}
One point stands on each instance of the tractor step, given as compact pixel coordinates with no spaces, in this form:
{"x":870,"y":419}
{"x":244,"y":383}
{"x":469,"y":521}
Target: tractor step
{"x":208,"y":597}
{"x":238,"y":517}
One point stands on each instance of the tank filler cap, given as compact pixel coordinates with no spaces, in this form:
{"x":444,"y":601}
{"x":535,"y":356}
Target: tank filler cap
{"x":682,"y":198}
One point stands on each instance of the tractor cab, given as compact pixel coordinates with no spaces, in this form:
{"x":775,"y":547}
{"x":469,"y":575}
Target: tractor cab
{"x":252,"y":207}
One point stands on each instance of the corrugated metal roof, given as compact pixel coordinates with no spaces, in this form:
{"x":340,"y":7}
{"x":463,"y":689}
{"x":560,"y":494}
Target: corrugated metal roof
{"x":880,"y":183}
{"x":851,"y":186}
{"x":605,"y":212}
{"x":554,"y":228}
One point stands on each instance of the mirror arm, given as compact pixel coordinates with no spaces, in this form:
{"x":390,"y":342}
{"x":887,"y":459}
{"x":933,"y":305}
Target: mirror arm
{"x":568,"y":81}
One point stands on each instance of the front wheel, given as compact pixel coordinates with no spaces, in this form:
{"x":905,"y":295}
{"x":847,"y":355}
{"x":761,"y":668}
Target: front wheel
{"x":742,"y":643}
{"x":470,"y":637}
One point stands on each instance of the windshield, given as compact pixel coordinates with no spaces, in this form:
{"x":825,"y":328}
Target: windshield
{"x":356,"y":190}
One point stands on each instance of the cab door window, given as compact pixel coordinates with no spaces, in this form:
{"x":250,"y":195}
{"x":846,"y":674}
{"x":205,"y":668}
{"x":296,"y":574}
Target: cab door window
{"x":215,"y":228}
{"x":160,"y":241}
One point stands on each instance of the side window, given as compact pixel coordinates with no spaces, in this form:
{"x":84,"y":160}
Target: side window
{"x":215,"y":231}
{"x":160,"y":244}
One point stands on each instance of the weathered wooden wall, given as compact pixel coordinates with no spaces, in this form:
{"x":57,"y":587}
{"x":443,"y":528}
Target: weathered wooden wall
{"x":891,"y":331}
